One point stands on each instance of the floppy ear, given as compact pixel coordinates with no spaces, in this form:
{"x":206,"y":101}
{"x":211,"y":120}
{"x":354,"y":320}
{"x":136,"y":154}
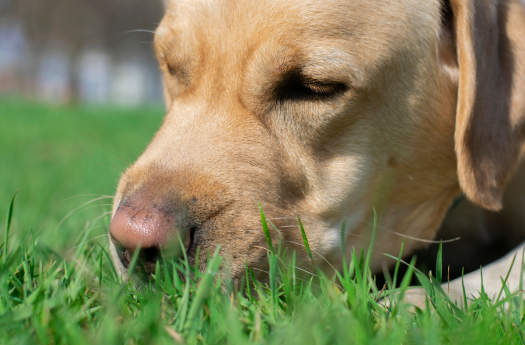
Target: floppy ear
{"x":489,"y":37}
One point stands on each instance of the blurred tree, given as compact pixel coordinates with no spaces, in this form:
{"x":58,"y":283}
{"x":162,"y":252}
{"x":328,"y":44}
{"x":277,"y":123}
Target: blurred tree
{"x":119,"y":29}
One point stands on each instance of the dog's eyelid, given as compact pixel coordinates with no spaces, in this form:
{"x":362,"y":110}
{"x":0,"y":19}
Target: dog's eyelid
{"x":301,"y":88}
{"x":171,"y":69}
{"x":308,"y":81}
{"x":317,"y":82}
{"x":292,"y":91}
{"x":327,"y":88}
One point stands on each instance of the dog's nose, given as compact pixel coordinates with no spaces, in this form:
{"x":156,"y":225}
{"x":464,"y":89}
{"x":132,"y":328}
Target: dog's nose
{"x":148,"y":227}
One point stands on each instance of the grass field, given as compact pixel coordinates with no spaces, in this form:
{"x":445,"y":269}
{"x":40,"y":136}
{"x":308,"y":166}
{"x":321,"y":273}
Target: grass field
{"x":57,"y":285}
{"x":51,"y":154}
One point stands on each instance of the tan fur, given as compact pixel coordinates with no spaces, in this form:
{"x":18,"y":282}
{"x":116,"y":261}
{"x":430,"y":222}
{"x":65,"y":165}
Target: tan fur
{"x":396,"y":95}
{"x":491,"y":108}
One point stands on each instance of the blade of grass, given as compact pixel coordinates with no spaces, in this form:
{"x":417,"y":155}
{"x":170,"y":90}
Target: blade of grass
{"x":507,"y":277}
{"x":343,"y":247}
{"x":180,"y":316}
{"x":439,"y":263}
{"x":265,"y":229}
{"x":8,"y":226}
{"x":438,"y":287}
{"x":396,"y":270}
{"x":305,"y":240}
{"x":131,"y":270}
{"x":273,"y":261}
{"x":522,"y":304}
{"x":248,"y":290}
{"x":204,"y":287}
{"x":463,"y":286}
{"x":370,"y":247}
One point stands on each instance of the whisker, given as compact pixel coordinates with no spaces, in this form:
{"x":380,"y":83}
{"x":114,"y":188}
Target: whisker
{"x":225,"y":290}
{"x":322,"y":257}
{"x":137,"y":30}
{"x":83,"y":267}
{"x":306,"y":281}
{"x":294,"y":218}
{"x":90,"y":240}
{"x":415,"y":238}
{"x":87,"y":229}
{"x":84,"y":204}
{"x":78,"y":196}
{"x":268,"y":250}
{"x":100,"y":226}
{"x":122,"y":159}
{"x":300,"y":269}
{"x":349,"y":232}
{"x":379,"y":227}
{"x":258,"y":269}
{"x":346,"y":232}
{"x":109,"y":165}
{"x":87,"y":208}
{"x":102,"y":215}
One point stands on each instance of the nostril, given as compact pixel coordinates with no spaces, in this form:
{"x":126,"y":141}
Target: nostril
{"x":147,"y":258}
{"x":153,"y":229}
{"x":150,"y":255}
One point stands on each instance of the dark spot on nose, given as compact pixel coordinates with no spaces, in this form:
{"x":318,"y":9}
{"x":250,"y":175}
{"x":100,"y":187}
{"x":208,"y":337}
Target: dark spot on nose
{"x":392,"y":162}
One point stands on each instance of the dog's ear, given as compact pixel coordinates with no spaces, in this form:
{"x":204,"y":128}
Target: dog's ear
{"x":488,"y":45}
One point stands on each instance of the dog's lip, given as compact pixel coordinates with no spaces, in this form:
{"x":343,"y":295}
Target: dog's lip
{"x":189,"y":240}
{"x":122,"y":253}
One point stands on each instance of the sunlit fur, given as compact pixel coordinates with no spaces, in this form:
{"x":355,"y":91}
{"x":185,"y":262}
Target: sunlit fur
{"x":233,"y":137}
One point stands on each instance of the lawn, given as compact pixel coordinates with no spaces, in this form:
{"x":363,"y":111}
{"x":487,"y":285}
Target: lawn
{"x":61,"y":157}
{"x":57,"y":285}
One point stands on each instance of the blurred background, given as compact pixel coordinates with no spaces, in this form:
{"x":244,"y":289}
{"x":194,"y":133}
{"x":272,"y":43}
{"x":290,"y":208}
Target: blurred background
{"x":90,"y":51}
{"x":80,"y":98}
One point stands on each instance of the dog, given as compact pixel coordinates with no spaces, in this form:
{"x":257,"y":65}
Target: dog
{"x":332,"y":111}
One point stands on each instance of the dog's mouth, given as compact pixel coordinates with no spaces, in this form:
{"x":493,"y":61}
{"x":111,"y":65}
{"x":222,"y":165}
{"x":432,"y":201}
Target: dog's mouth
{"x":146,"y":261}
{"x":189,"y":241}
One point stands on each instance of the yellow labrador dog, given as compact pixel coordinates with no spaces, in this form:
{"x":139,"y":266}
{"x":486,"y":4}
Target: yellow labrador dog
{"x":326,"y":110}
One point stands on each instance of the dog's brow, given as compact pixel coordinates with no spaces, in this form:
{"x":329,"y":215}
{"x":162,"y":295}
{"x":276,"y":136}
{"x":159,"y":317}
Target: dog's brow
{"x":330,"y":65}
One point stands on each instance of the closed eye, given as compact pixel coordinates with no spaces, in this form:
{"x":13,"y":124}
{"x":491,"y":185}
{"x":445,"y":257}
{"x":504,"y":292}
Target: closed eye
{"x":178,"y":71}
{"x":171,"y":70}
{"x":296,"y":87}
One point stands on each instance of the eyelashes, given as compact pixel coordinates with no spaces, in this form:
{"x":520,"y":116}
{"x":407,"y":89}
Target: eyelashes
{"x":296,"y":87}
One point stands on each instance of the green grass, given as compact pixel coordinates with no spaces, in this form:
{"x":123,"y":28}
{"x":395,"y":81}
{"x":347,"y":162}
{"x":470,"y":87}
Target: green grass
{"x":57,"y":285}
{"x":51,"y":154}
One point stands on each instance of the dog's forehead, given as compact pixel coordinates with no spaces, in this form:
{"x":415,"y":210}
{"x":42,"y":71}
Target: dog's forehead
{"x":256,"y":20}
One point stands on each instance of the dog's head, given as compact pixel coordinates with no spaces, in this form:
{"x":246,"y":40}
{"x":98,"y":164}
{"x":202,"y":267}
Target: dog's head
{"x":323,"y":110}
